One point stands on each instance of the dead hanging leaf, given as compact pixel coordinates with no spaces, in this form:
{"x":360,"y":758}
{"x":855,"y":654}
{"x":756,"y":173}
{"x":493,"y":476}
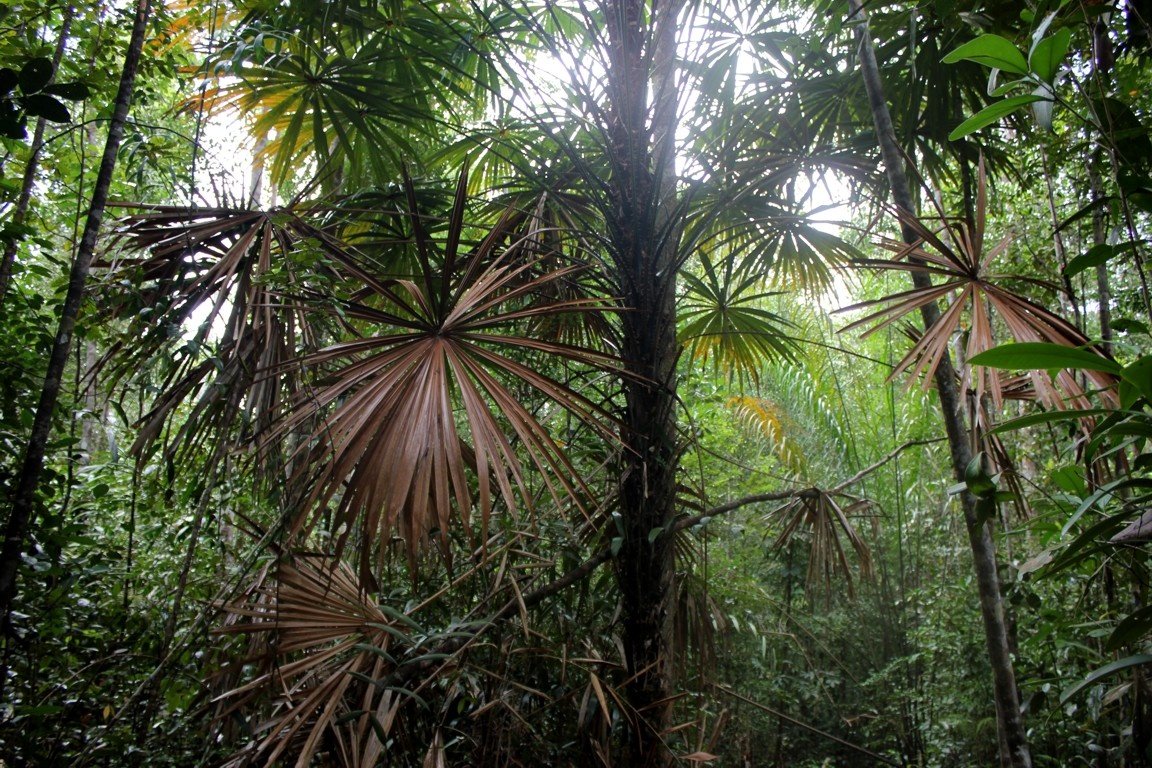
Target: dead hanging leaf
{"x":422,"y":417}
{"x":953,"y":250}
{"x":229,"y":269}
{"x":1035,"y":562}
{"x":435,"y":758}
{"x":825,"y":520}
{"x":699,"y":757}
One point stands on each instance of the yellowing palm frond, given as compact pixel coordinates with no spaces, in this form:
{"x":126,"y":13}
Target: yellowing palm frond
{"x":765,"y":418}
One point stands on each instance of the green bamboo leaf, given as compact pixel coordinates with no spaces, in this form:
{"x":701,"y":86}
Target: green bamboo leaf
{"x":1036,"y":355}
{"x":1135,"y":660}
{"x":991,"y":114}
{"x":991,"y":51}
{"x":1102,"y":495}
{"x":1088,"y":542}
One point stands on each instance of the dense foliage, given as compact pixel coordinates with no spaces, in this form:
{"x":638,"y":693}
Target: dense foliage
{"x":575,"y":383}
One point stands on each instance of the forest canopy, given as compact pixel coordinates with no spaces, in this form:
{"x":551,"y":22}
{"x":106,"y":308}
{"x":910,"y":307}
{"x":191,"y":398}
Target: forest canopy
{"x":589,"y":382}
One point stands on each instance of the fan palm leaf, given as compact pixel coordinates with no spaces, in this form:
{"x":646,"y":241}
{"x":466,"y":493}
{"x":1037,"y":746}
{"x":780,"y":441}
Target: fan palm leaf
{"x":824,"y":520}
{"x":955,"y":251}
{"x":317,"y":643}
{"x":224,"y":269}
{"x":422,"y":416}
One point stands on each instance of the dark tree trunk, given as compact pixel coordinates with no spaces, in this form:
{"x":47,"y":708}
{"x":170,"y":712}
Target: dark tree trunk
{"x":1009,"y":720}
{"x":643,"y":236}
{"x":23,"y":502}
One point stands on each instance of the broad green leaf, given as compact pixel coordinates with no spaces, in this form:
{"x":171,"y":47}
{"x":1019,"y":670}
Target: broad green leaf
{"x":40,"y":105}
{"x":1037,"y":355}
{"x":1093,"y":257}
{"x":8,"y":80}
{"x":991,"y":114}
{"x":1139,"y":375}
{"x":1011,"y":85}
{"x":1129,"y":325}
{"x":1097,"y":255}
{"x":991,"y":51}
{"x":1070,"y":478}
{"x":70,"y":91}
{"x":978,"y":481}
{"x":1129,"y":136}
{"x":1135,"y":660}
{"x":1087,"y":210}
{"x":11,"y":121}
{"x":1049,"y":53}
{"x":1048,"y":417}
{"x":1132,"y":628}
{"x":35,"y":74}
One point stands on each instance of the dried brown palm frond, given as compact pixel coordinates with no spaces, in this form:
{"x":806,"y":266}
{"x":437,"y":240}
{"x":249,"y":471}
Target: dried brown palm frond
{"x":318,"y":645}
{"x":549,"y":221}
{"x":422,"y":417}
{"x":229,"y":270}
{"x":954,"y":250}
{"x":824,"y":520}
{"x":696,"y":622}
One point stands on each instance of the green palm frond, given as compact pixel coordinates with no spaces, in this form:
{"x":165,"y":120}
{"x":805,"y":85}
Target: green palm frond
{"x":723,"y":319}
{"x":767,"y":237}
{"x":315,"y":106}
{"x":351,"y":99}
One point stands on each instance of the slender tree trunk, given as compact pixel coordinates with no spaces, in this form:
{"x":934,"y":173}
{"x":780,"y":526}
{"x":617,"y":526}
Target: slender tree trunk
{"x":643,"y":236}
{"x":1100,"y":237}
{"x":32,"y":169}
{"x":978,"y":523}
{"x":23,"y":502}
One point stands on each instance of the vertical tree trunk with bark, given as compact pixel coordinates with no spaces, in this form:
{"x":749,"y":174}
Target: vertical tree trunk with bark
{"x":1014,"y":752}
{"x":24,"y":498}
{"x":643,"y":235}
